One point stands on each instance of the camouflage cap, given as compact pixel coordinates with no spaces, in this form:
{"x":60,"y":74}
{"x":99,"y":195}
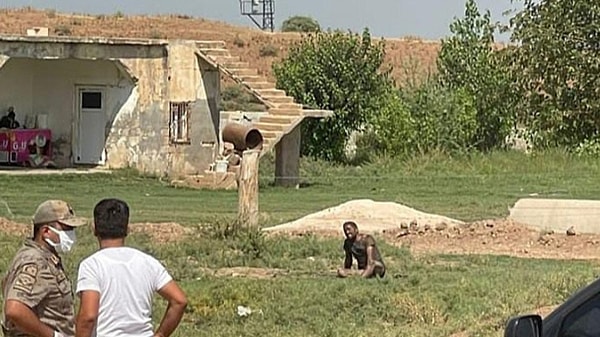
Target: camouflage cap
{"x":59,"y":211}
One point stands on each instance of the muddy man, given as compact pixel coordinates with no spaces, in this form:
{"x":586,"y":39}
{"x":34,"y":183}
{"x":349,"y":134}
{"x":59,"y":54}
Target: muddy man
{"x":362,"y":247}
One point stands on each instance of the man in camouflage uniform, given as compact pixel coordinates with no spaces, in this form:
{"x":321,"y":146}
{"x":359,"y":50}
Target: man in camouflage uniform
{"x":38,"y":300}
{"x":362,"y":247}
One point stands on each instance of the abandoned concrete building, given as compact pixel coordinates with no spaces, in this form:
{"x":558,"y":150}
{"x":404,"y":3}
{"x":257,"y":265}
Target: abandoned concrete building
{"x":152,"y":105}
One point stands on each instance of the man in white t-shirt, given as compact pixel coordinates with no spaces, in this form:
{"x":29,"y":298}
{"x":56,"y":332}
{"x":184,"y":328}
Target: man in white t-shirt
{"x":116,"y":284}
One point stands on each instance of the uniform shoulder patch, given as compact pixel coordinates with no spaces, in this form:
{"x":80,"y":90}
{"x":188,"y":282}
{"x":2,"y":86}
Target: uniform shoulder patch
{"x":26,"y":278}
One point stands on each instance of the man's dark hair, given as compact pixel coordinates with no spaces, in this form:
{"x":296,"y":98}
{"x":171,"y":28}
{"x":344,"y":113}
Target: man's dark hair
{"x":351,"y":224}
{"x":111,"y":217}
{"x":36,"y":229}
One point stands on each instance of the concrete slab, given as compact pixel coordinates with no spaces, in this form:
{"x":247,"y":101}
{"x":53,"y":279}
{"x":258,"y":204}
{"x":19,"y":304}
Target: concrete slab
{"x":558,"y":214}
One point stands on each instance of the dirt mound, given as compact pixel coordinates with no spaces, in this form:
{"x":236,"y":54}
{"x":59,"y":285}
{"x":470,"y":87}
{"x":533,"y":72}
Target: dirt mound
{"x":161,"y":232}
{"x":371,"y":217}
{"x":10,"y":227}
{"x":498,"y":237}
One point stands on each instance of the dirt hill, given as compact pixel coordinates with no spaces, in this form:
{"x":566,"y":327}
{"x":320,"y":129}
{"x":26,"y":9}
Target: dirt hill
{"x":244,"y":42}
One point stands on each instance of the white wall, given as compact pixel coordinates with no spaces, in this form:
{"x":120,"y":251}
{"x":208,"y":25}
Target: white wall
{"x":16,"y":89}
{"x":54,"y":83}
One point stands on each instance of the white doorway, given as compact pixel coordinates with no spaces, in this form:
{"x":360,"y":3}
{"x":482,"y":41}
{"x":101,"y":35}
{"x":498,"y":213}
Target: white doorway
{"x":91,"y":125}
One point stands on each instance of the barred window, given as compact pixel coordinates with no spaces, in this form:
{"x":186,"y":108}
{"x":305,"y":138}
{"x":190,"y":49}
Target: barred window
{"x":179,"y":123}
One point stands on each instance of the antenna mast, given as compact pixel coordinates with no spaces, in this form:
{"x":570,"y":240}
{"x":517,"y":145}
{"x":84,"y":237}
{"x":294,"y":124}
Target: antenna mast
{"x":261,"y":12}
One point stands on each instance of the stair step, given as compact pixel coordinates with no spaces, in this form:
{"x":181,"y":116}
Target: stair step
{"x":236,"y":65}
{"x":286,"y":112}
{"x":288,"y":106}
{"x":210,"y":44}
{"x":271,"y":134}
{"x":271,"y":92}
{"x":259,"y":85}
{"x":226,"y":59}
{"x":279,"y":99}
{"x":244,"y":71}
{"x":215,"y":51}
{"x":254,"y":78}
{"x":282,"y":119}
{"x":269,"y":126}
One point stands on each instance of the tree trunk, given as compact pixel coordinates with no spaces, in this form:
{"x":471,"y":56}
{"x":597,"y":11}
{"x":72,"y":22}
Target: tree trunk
{"x":248,"y":189}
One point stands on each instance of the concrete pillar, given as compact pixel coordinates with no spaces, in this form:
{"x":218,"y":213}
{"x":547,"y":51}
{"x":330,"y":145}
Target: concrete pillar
{"x":287,"y":159}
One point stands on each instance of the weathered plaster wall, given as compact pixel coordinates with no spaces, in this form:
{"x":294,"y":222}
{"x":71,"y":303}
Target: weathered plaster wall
{"x":139,"y":134}
{"x":192,"y":81}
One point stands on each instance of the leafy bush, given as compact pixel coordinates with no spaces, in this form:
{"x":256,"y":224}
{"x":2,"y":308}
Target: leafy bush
{"x":443,"y":118}
{"x":339,"y":72}
{"x":424,"y":119}
{"x":469,"y":61}
{"x":300,"y":24}
{"x":589,"y":148}
{"x":268,"y":50}
{"x":557,"y":66}
{"x":237,"y":98}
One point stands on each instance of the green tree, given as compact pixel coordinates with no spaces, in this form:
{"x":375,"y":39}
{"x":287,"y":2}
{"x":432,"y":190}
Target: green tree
{"x":339,"y":72}
{"x":469,"y":60}
{"x":558,"y":68}
{"x":300,"y":24}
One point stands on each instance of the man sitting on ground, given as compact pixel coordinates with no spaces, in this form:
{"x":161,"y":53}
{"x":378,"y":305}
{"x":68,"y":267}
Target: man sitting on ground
{"x":362,"y":247}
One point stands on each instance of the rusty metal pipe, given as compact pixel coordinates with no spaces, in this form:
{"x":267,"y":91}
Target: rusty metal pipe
{"x":243,"y":137}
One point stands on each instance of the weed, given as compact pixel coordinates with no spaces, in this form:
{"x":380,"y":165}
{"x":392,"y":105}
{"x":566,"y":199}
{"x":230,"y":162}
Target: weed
{"x":62,"y":30}
{"x":268,"y":50}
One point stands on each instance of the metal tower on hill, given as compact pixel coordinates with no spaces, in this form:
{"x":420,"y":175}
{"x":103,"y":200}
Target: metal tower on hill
{"x":259,"y":10}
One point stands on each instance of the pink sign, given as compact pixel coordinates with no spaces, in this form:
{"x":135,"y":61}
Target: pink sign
{"x":22,"y":143}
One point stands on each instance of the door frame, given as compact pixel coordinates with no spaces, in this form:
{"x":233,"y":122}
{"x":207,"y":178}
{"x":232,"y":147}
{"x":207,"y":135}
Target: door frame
{"x":78,"y":88}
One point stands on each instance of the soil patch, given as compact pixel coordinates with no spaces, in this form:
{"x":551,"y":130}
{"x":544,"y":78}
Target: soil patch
{"x":497,"y":237}
{"x":11,"y":227}
{"x":166,"y":232}
{"x":259,"y":273}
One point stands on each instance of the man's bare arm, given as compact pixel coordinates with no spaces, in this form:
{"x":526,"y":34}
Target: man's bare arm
{"x":348,"y":258}
{"x":26,"y":320}
{"x":368,"y":272}
{"x":177,"y":304}
{"x":88,"y":313}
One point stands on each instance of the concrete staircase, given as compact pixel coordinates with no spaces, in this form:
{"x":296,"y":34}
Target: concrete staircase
{"x":283,"y":114}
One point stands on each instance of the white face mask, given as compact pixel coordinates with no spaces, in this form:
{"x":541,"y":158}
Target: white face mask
{"x":66,"y":240}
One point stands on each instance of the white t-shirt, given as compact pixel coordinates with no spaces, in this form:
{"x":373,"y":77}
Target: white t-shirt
{"x":126,"y":279}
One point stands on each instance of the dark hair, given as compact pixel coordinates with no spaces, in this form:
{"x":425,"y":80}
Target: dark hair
{"x":111,"y":217}
{"x":351,"y":224}
{"x":36,"y":229}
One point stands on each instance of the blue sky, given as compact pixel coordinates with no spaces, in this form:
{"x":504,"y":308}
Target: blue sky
{"x":388,"y":18}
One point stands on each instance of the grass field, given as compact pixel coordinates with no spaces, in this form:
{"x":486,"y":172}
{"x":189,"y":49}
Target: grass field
{"x":433,"y":295}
